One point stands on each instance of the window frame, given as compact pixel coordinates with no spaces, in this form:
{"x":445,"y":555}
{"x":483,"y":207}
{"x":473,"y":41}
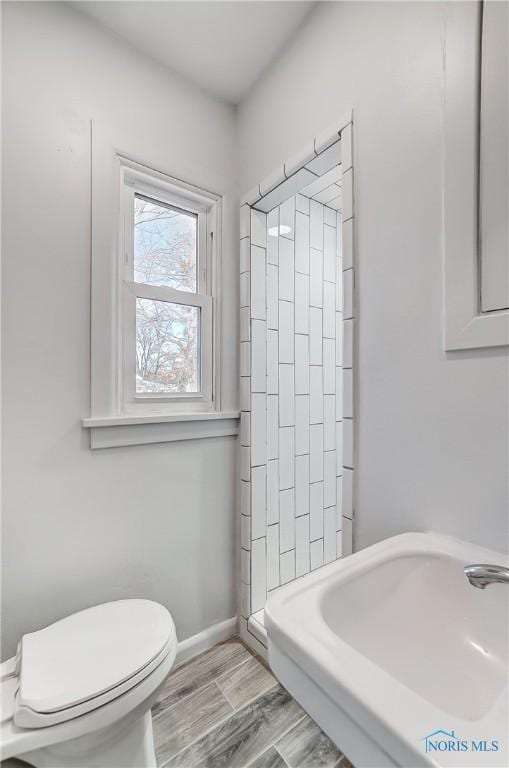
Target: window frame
{"x":108,"y":425}
{"x":135,"y":182}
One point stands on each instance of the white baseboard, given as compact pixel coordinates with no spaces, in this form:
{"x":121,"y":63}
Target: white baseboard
{"x":206,"y":639}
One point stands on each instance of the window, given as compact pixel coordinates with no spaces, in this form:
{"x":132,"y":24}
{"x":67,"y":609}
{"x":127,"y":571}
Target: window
{"x":167,"y":304}
{"x":155,"y":316}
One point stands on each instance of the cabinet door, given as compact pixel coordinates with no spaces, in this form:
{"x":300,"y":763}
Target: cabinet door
{"x":494,"y":158}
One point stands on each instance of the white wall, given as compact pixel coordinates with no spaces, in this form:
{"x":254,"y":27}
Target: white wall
{"x":433,"y":434}
{"x":82,"y":526}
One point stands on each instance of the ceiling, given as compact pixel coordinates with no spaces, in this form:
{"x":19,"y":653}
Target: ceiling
{"x":223,"y":47}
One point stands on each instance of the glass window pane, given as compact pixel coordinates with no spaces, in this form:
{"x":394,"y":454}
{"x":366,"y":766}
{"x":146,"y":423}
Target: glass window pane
{"x":165,"y":251}
{"x":167,"y":347}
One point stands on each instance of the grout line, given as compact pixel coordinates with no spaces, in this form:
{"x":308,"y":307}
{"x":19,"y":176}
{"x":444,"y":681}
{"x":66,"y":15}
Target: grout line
{"x":225,"y":694}
{"x":226,"y":719}
{"x":201,"y":688}
{"x":184,"y":698}
{"x":202,"y":736}
{"x":266,"y":749}
{"x":288,"y":730}
{"x":207,"y":685}
{"x":281,"y":755}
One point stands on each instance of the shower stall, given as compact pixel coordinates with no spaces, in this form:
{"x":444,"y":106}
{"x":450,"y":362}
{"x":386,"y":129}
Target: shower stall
{"x":296,"y":372}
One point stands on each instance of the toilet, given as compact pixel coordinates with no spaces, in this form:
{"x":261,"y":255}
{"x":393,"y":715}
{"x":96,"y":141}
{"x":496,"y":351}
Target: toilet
{"x":78,"y":693}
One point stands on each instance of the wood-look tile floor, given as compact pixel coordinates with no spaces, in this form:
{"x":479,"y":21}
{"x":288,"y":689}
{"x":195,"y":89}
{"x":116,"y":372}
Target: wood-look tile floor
{"x":224,"y":709}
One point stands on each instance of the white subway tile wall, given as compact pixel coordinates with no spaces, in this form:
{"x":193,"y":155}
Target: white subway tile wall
{"x":347,"y":244}
{"x":329,"y":422}
{"x":347,"y":495}
{"x":316,"y":550}
{"x":258,"y":367}
{"x":301,"y":425}
{"x":301,"y":485}
{"x":258,"y":429}
{"x":272,"y":297}
{"x":272,"y":427}
{"x":286,"y":270}
{"x":302,"y":243}
{"x":258,"y":229}
{"x":258,"y":299}
{"x":272,"y":492}
{"x":258,"y":575}
{"x":301,"y":364}
{"x":286,"y":332}
{"x":302,"y":204}
{"x":286,"y":458}
{"x":287,"y":566}
{"x":297,"y":452}
{"x":287,"y":520}
{"x":287,"y":218}
{"x":315,"y":336}
{"x":258,"y":501}
{"x":272,"y":363}
{"x":286,"y":395}
{"x":302,"y":543}
{"x":245,"y":393}
{"x":315,"y":277}
{"x":329,"y":534}
{"x":316,"y":511}
{"x":315,"y":453}
{"x":245,"y":531}
{"x":273,"y":556}
{"x":245,"y":497}
{"x":347,"y":195}
{"x":272,"y":240}
{"x":245,"y":566}
{"x":245,"y":325}
{"x":301,"y":303}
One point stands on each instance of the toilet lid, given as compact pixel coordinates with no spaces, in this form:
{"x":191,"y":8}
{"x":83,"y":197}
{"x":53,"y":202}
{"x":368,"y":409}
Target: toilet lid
{"x":91,"y":652}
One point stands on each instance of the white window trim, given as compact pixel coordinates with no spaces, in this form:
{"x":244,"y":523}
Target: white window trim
{"x":112,"y":432}
{"x":113,"y":422}
{"x":135,"y":180}
{"x":465,"y":326}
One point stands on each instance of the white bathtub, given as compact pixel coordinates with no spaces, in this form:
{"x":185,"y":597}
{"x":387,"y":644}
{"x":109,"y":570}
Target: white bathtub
{"x":392,"y":644}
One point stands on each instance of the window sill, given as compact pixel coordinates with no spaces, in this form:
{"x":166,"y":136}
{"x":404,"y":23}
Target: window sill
{"x":116,"y":431}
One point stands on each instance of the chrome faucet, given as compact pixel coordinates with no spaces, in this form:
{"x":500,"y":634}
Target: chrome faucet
{"x":480,"y":575}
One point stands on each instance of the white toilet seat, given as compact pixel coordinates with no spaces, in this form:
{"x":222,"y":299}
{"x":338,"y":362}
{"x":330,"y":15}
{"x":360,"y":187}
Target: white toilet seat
{"x":87,"y":659}
{"x":106,"y":725}
{"x":25,"y":717}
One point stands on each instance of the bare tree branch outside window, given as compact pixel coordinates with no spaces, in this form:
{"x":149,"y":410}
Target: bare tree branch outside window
{"x":167,"y":334}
